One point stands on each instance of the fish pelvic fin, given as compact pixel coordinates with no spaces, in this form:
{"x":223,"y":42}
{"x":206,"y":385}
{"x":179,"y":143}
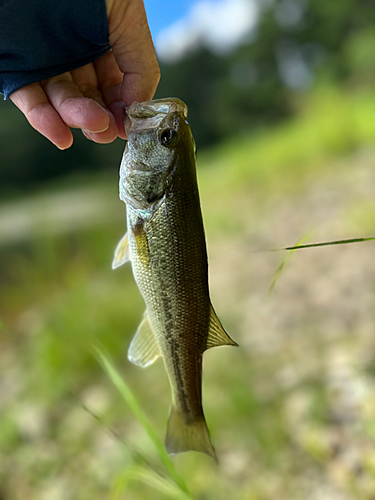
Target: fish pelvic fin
{"x":121,"y":252}
{"x":143,"y":349}
{"x":217,"y":336}
{"x":182,"y":436}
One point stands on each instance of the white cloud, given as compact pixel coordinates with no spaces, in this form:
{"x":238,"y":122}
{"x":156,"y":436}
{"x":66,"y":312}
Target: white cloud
{"x":219,"y":25}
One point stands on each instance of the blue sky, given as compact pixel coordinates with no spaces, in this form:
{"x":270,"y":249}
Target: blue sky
{"x":180,"y":26}
{"x":162,"y":14}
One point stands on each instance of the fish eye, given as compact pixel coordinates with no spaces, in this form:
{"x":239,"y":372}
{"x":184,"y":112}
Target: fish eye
{"x":167,"y":136}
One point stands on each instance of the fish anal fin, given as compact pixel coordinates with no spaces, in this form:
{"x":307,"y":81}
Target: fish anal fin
{"x":182,"y":436}
{"x":217,"y":336}
{"x":143,"y":349}
{"x":121,"y":252}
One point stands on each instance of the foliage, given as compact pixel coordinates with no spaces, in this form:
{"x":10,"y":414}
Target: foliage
{"x":296,"y":45}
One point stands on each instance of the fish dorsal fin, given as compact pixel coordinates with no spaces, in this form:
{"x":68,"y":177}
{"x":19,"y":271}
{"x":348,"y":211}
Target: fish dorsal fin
{"x":121,"y":252}
{"x":143,"y":349}
{"x":216,"y":334}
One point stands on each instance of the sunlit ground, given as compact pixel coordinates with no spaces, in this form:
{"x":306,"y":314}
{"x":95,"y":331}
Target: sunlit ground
{"x":291,"y":411}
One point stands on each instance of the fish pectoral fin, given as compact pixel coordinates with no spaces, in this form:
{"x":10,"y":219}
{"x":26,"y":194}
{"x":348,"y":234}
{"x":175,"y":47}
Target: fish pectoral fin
{"x":217,"y":336}
{"x":121,"y":252}
{"x":183,"y":436}
{"x":143,"y":349}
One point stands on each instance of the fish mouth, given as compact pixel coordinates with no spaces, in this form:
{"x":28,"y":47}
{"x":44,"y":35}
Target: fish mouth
{"x":150,"y":113}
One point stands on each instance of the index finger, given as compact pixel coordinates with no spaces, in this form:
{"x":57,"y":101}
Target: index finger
{"x":35,"y":105}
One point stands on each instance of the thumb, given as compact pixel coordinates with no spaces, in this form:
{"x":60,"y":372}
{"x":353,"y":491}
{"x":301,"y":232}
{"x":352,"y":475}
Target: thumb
{"x":131,"y":41}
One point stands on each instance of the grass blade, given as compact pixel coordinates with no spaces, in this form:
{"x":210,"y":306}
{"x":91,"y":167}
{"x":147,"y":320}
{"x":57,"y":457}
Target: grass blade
{"x":325,"y":243}
{"x":150,"y":478}
{"x":129,"y":397}
{"x":281,"y":266}
{"x":136,"y":455}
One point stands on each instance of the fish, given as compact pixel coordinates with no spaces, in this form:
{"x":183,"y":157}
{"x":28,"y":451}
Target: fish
{"x":165,"y":243}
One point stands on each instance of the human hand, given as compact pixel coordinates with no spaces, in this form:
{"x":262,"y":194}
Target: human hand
{"x":92,"y":97}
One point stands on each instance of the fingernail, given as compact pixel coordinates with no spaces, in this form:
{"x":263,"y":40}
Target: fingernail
{"x":86,"y":133}
{"x":99,"y":131}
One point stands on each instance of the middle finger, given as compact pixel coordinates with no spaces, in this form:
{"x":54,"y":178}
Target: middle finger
{"x":86,"y":80}
{"x":75,"y":109}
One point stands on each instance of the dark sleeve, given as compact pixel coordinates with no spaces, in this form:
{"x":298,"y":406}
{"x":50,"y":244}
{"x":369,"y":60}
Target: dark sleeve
{"x":44,"y":38}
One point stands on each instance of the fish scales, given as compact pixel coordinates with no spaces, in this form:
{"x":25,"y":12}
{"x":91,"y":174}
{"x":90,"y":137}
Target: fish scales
{"x":174,"y":286}
{"x":166,"y":245}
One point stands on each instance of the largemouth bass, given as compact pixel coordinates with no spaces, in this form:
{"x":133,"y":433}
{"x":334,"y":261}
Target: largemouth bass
{"x":165,"y":243}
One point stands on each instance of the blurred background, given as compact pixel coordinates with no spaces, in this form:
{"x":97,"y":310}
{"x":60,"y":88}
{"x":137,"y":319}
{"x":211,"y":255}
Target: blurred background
{"x":281,"y":97}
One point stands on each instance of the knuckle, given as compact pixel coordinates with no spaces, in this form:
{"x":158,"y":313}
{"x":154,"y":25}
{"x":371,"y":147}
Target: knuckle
{"x":88,"y":89}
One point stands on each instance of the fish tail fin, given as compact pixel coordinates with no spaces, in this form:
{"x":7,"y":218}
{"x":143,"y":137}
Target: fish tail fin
{"x":182,"y":436}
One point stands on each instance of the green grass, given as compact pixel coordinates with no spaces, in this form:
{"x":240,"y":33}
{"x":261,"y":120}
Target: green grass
{"x":133,"y":404}
{"x":283,"y":160}
{"x":331,"y":123}
{"x":286,"y":259}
